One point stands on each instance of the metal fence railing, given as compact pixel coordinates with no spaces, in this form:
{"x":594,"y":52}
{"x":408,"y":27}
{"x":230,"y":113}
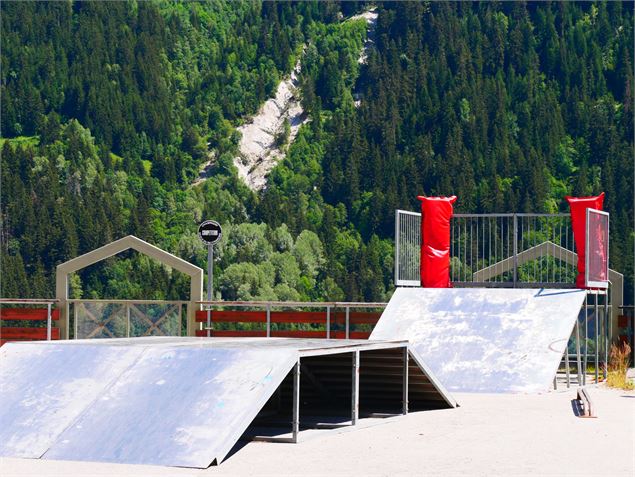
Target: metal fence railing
{"x":407,"y":248}
{"x":28,"y":319}
{"x":330,"y":320}
{"x":506,"y":250}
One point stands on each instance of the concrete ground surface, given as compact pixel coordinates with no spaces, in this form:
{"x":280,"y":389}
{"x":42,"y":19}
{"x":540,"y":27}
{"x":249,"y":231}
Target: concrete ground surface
{"x":503,"y":434}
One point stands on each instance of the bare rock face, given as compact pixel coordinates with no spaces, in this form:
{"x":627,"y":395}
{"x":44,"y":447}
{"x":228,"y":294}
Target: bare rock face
{"x":259,"y":152}
{"x":371,"y":19}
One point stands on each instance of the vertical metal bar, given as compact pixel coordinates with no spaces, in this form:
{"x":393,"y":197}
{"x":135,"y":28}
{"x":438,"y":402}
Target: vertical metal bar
{"x":396,"y":247}
{"x":495,"y":248}
{"x":355,"y":389}
{"x":210,"y":271}
{"x":597,"y":347}
{"x":477,"y":243}
{"x":533,"y":244}
{"x":451,"y":252}
{"x":348,"y":322}
{"x":489,"y":242}
{"x":586,"y":336}
{"x":180,"y":318}
{"x":560,"y":254}
{"x":209,"y":321}
{"x":49,"y":322}
{"x":454,"y":253}
{"x":295,"y":429}
{"x":68,"y":317}
{"x":515,"y":243}
{"x":483,"y":232}
{"x":268,"y":320}
{"x":466,"y":242}
{"x":328,"y":322}
{"x":128,"y":320}
{"x":566,"y":364}
{"x":606,"y":332}
{"x":470,"y":244}
{"x":577,"y":350}
{"x":404,"y":390}
{"x":411,"y":249}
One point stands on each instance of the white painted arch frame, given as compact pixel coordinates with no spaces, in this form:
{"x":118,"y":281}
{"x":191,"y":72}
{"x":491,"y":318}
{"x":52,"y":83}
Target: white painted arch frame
{"x":129,"y":242}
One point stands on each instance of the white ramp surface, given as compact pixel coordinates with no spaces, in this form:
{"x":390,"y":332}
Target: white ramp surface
{"x":140,"y":402}
{"x":484,"y":339}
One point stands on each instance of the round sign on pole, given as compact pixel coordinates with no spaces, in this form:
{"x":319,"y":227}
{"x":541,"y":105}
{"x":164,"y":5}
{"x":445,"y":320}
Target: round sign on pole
{"x":210,"y":232}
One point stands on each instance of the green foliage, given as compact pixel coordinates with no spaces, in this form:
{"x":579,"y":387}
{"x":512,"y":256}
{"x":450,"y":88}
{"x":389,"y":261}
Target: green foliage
{"x":109,"y":110}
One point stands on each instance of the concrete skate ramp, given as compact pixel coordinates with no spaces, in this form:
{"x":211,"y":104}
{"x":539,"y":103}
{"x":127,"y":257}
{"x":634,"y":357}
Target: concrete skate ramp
{"x":187,"y":401}
{"x":484,"y":339}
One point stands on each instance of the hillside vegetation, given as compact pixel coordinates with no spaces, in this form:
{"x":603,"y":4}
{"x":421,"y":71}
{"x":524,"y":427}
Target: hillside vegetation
{"x":110,"y":109}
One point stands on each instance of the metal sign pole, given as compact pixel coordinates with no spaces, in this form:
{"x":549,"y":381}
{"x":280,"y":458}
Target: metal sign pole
{"x":210,"y":232}
{"x":210,"y":271}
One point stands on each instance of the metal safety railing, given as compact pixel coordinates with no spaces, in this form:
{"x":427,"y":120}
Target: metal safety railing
{"x":505,"y":250}
{"x":126,"y":318}
{"x":30,"y":312}
{"x":288,"y":319}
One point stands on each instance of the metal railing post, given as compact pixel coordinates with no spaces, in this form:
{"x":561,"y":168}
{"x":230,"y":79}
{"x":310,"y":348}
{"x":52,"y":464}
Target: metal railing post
{"x":396,"y":247}
{"x":328,"y":322}
{"x":515,"y":242}
{"x":68,"y":318}
{"x":127,"y":320}
{"x":404,"y":390}
{"x":606,"y":332}
{"x":209,"y":321}
{"x":347,"y":322}
{"x":597,"y":341}
{"x":355,"y":389}
{"x":296,"y":402}
{"x":268,"y":320}
{"x":586,"y":337}
{"x":577,"y":350}
{"x":49,"y":322}
{"x":566,"y":365}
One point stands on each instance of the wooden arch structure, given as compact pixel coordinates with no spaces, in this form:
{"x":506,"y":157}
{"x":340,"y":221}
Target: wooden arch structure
{"x":129,"y":242}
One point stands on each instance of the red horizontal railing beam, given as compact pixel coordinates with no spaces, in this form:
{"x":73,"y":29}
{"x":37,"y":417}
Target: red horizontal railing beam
{"x":233,"y":333}
{"x":319,"y":317}
{"x":30,"y":314}
{"x":19,"y":333}
{"x":232,"y":316}
{"x":355,"y":335}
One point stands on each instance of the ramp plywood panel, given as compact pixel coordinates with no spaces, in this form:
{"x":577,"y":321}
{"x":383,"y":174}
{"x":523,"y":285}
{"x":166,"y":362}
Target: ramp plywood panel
{"x":44,"y":389}
{"x":484,"y":339}
{"x":140,"y":404}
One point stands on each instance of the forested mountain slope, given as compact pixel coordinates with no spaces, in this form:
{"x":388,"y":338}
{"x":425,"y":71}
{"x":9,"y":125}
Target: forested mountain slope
{"x":109,"y":110}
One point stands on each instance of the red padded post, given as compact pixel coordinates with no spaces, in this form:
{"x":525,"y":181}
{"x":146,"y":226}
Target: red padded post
{"x":578,"y":206}
{"x":435,"y":241}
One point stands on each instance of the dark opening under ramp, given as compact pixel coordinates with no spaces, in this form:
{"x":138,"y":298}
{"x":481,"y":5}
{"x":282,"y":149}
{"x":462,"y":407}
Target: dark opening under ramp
{"x":181,"y":401}
{"x":484,"y":339}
